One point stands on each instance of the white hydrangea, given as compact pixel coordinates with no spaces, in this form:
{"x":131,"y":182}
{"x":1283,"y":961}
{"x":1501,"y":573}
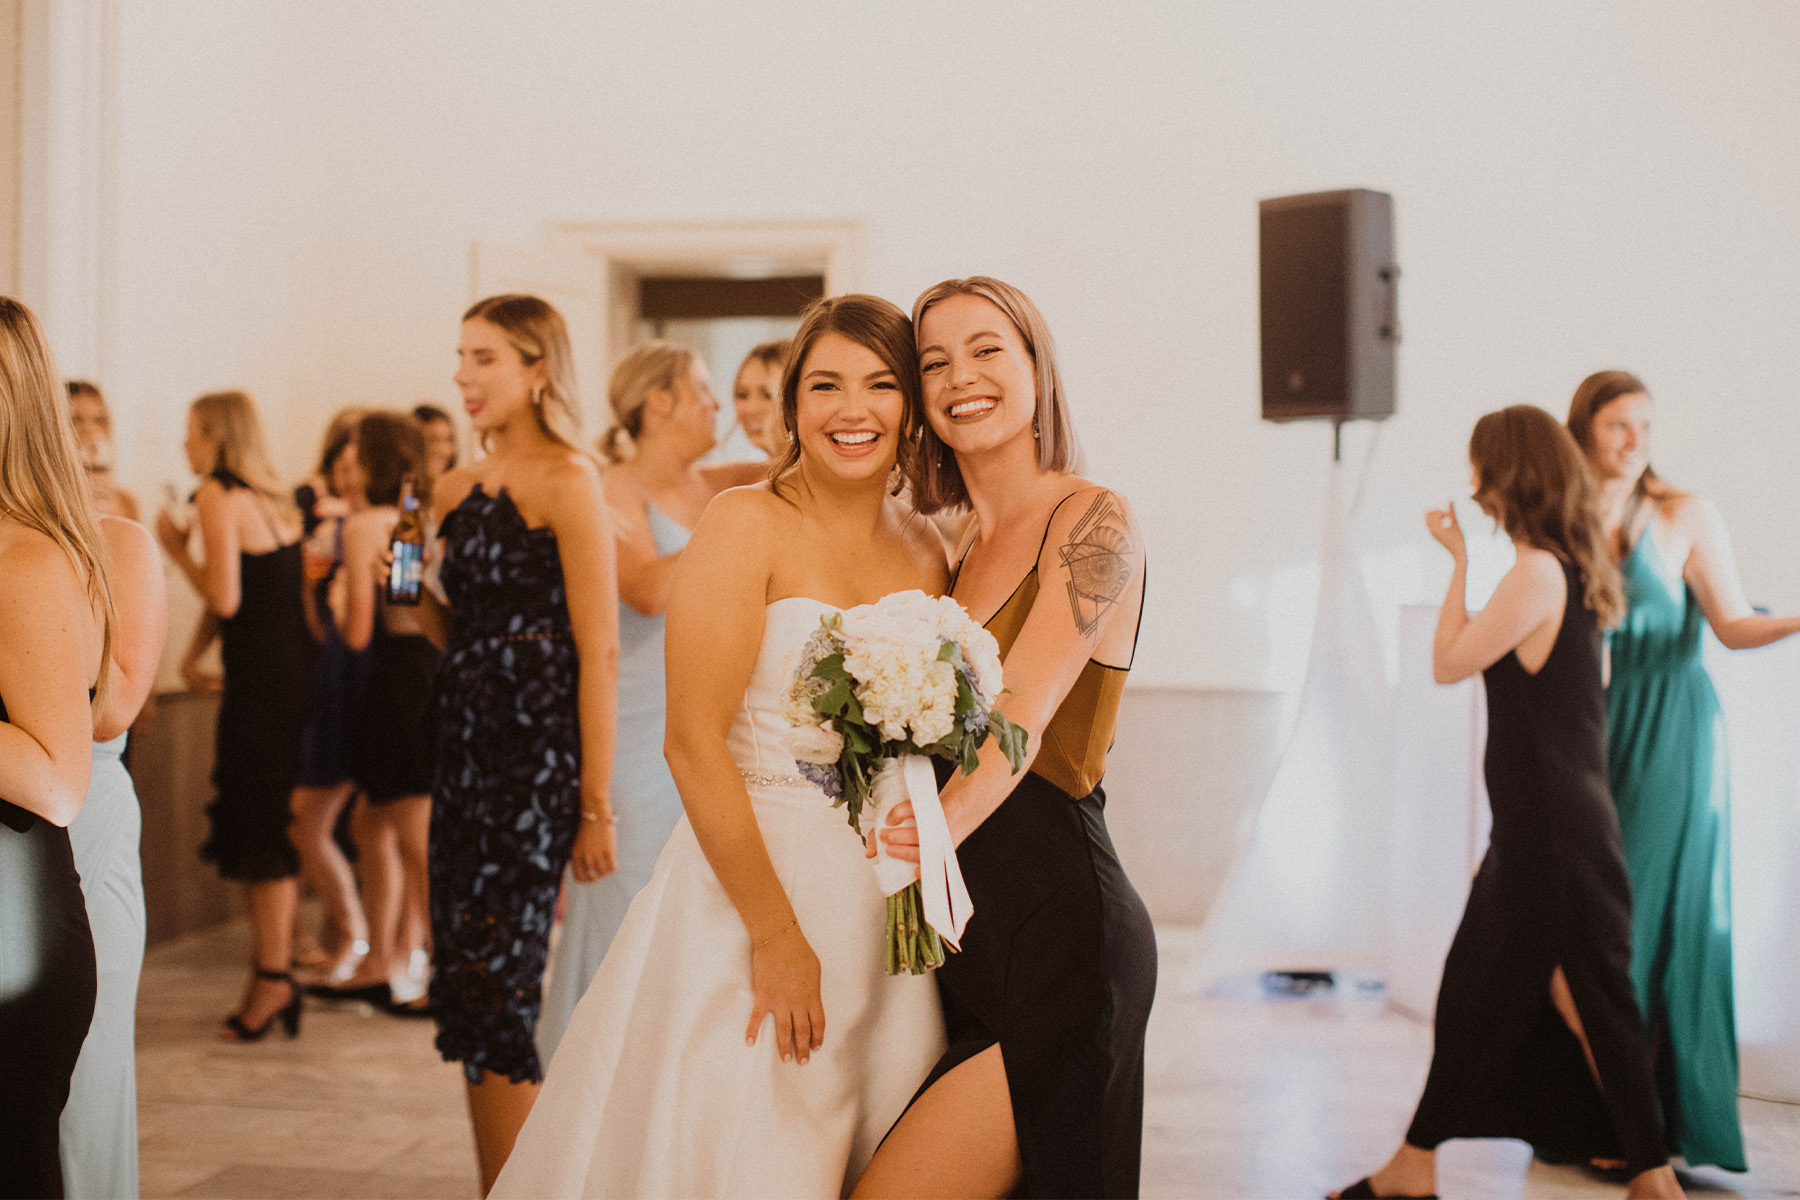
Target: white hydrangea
{"x":981,"y":653}
{"x":891,"y":649}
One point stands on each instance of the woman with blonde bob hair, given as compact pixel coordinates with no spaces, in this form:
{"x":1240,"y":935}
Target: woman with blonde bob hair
{"x":1041,"y":1092}
{"x":251,"y":578}
{"x":1537,"y":1033}
{"x":56,"y":634}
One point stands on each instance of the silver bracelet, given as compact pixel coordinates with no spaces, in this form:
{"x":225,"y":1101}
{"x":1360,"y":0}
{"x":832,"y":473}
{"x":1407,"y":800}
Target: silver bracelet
{"x":609,"y":818}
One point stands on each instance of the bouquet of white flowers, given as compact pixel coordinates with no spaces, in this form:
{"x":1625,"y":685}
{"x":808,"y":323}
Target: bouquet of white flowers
{"x":880,"y":690}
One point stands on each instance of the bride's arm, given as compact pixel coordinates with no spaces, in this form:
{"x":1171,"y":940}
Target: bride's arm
{"x":715,"y":624}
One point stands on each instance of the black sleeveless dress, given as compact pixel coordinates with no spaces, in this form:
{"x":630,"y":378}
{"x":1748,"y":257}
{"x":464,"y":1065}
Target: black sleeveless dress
{"x":507,"y":798}
{"x":47,"y":985}
{"x":1552,"y":891}
{"x":1058,"y":964}
{"x":393,"y":745}
{"x":268,"y":656}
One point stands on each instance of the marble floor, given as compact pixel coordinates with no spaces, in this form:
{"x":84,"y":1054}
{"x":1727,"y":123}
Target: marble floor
{"x":1247,"y":1097}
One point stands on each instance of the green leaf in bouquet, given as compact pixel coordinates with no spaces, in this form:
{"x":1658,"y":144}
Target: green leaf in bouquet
{"x":1012,"y":738}
{"x":836,"y":698}
{"x":859,"y":738}
{"x":971,"y":755}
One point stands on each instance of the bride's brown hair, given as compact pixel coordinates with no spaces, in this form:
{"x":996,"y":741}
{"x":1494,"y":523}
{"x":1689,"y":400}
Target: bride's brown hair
{"x":879,"y":327}
{"x":1535,"y":481}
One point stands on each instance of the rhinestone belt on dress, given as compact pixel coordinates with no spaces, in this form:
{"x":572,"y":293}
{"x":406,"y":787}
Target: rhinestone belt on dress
{"x":771,"y":779}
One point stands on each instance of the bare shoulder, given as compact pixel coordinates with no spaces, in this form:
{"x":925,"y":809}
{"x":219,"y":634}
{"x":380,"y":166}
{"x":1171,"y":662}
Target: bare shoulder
{"x":753,"y":511}
{"x":1687,"y":513}
{"x":129,"y":543}
{"x":1096,"y":518}
{"x":451,"y":489}
{"x":922,"y":541}
{"x":40,"y":577}
{"x":624,"y":490}
{"x":1538,"y":568}
{"x":369,"y":525}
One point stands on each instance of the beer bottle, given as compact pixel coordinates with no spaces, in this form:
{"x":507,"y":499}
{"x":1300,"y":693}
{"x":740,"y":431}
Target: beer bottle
{"x":408,"y":546}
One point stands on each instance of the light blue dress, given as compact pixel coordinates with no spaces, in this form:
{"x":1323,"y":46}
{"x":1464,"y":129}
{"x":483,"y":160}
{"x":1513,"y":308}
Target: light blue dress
{"x":99,"y":1123}
{"x":644,"y":800}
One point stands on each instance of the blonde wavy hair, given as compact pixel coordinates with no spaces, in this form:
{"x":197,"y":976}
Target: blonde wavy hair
{"x":230,"y":418}
{"x":650,"y":366}
{"x":538,"y":332}
{"x":42,"y":484}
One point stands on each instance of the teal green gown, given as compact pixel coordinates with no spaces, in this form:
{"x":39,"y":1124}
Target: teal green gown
{"x":1670,"y":781}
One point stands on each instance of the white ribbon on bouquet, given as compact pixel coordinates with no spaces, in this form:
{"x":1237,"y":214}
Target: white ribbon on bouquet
{"x":947,"y":903}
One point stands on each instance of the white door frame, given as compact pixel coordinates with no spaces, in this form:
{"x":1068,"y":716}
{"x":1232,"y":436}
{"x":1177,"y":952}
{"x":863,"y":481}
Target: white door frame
{"x":626,"y":250}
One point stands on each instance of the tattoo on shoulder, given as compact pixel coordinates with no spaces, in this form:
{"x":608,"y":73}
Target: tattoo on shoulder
{"x":1097,"y":559}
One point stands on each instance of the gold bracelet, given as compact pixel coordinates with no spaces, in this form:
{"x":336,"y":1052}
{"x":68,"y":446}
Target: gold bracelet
{"x":609,"y":818}
{"x":765,"y":941}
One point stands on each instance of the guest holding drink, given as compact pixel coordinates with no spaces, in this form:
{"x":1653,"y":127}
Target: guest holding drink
{"x":525,"y":696}
{"x":392,"y":743}
{"x":92,"y":422}
{"x":664,"y":415}
{"x":56,"y":646}
{"x":250,"y":577}
{"x":1537,"y":1034}
{"x":1041,"y":1092}
{"x":1667,"y":764}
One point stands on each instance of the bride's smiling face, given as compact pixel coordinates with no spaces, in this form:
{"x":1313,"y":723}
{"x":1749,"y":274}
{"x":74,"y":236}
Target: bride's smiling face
{"x":849,"y":411}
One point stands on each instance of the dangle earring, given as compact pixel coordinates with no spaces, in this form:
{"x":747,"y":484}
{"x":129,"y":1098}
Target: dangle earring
{"x":1035,"y":435}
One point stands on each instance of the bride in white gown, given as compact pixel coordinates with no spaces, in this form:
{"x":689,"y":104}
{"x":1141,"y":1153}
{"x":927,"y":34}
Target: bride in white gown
{"x":742,"y":1037}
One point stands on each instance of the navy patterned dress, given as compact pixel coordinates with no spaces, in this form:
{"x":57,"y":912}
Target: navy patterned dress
{"x":506,"y":802}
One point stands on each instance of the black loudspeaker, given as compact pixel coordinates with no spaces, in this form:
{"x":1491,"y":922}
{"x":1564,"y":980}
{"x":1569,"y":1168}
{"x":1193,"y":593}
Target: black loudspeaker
{"x":1330,"y":321}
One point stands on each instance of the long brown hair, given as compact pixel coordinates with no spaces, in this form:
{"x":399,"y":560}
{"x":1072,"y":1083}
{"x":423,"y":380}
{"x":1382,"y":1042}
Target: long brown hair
{"x":539,"y":333}
{"x":879,"y":327}
{"x":391,"y":448}
{"x":1058,"y":448}
{"x":1535,"y":481}
{"x":42,"y":484}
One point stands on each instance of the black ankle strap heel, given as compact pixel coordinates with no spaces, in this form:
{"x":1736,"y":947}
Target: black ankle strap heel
{"x":288,"y":1015}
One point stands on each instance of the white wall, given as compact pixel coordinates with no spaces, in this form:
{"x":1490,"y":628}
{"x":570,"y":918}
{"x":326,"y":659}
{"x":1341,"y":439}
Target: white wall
{"x":1577,"y":185}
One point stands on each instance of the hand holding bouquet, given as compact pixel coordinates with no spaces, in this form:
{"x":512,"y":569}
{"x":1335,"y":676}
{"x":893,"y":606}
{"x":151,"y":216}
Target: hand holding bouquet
{"x":880,"y":689}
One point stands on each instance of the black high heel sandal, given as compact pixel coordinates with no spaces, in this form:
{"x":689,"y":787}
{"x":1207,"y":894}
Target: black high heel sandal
{"x":289,"y":1015}
{"x":1363,"y":1189}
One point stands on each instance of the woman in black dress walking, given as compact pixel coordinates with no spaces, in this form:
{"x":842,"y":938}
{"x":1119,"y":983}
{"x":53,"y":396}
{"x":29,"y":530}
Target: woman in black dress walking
{"x":55,"y":639}
{"x":1041,"y":1092}
{"x":525,"y":704}
{"x":251,"y":578}
{"x":1538,"y":1034}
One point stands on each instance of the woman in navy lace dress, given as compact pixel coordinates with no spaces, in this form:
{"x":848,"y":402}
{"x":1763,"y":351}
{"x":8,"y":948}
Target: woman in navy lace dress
{"x":525,"y":704}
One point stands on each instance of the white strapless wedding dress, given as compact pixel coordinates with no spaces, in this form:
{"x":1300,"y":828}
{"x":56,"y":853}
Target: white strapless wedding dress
{"x":653,"y":1092}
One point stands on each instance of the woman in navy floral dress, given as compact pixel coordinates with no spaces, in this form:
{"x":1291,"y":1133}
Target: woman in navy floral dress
{"x":525,"y":704}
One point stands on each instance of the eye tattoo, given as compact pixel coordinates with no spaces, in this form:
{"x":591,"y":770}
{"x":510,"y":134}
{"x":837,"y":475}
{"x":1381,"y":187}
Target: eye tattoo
{"x":1097,"y":557}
